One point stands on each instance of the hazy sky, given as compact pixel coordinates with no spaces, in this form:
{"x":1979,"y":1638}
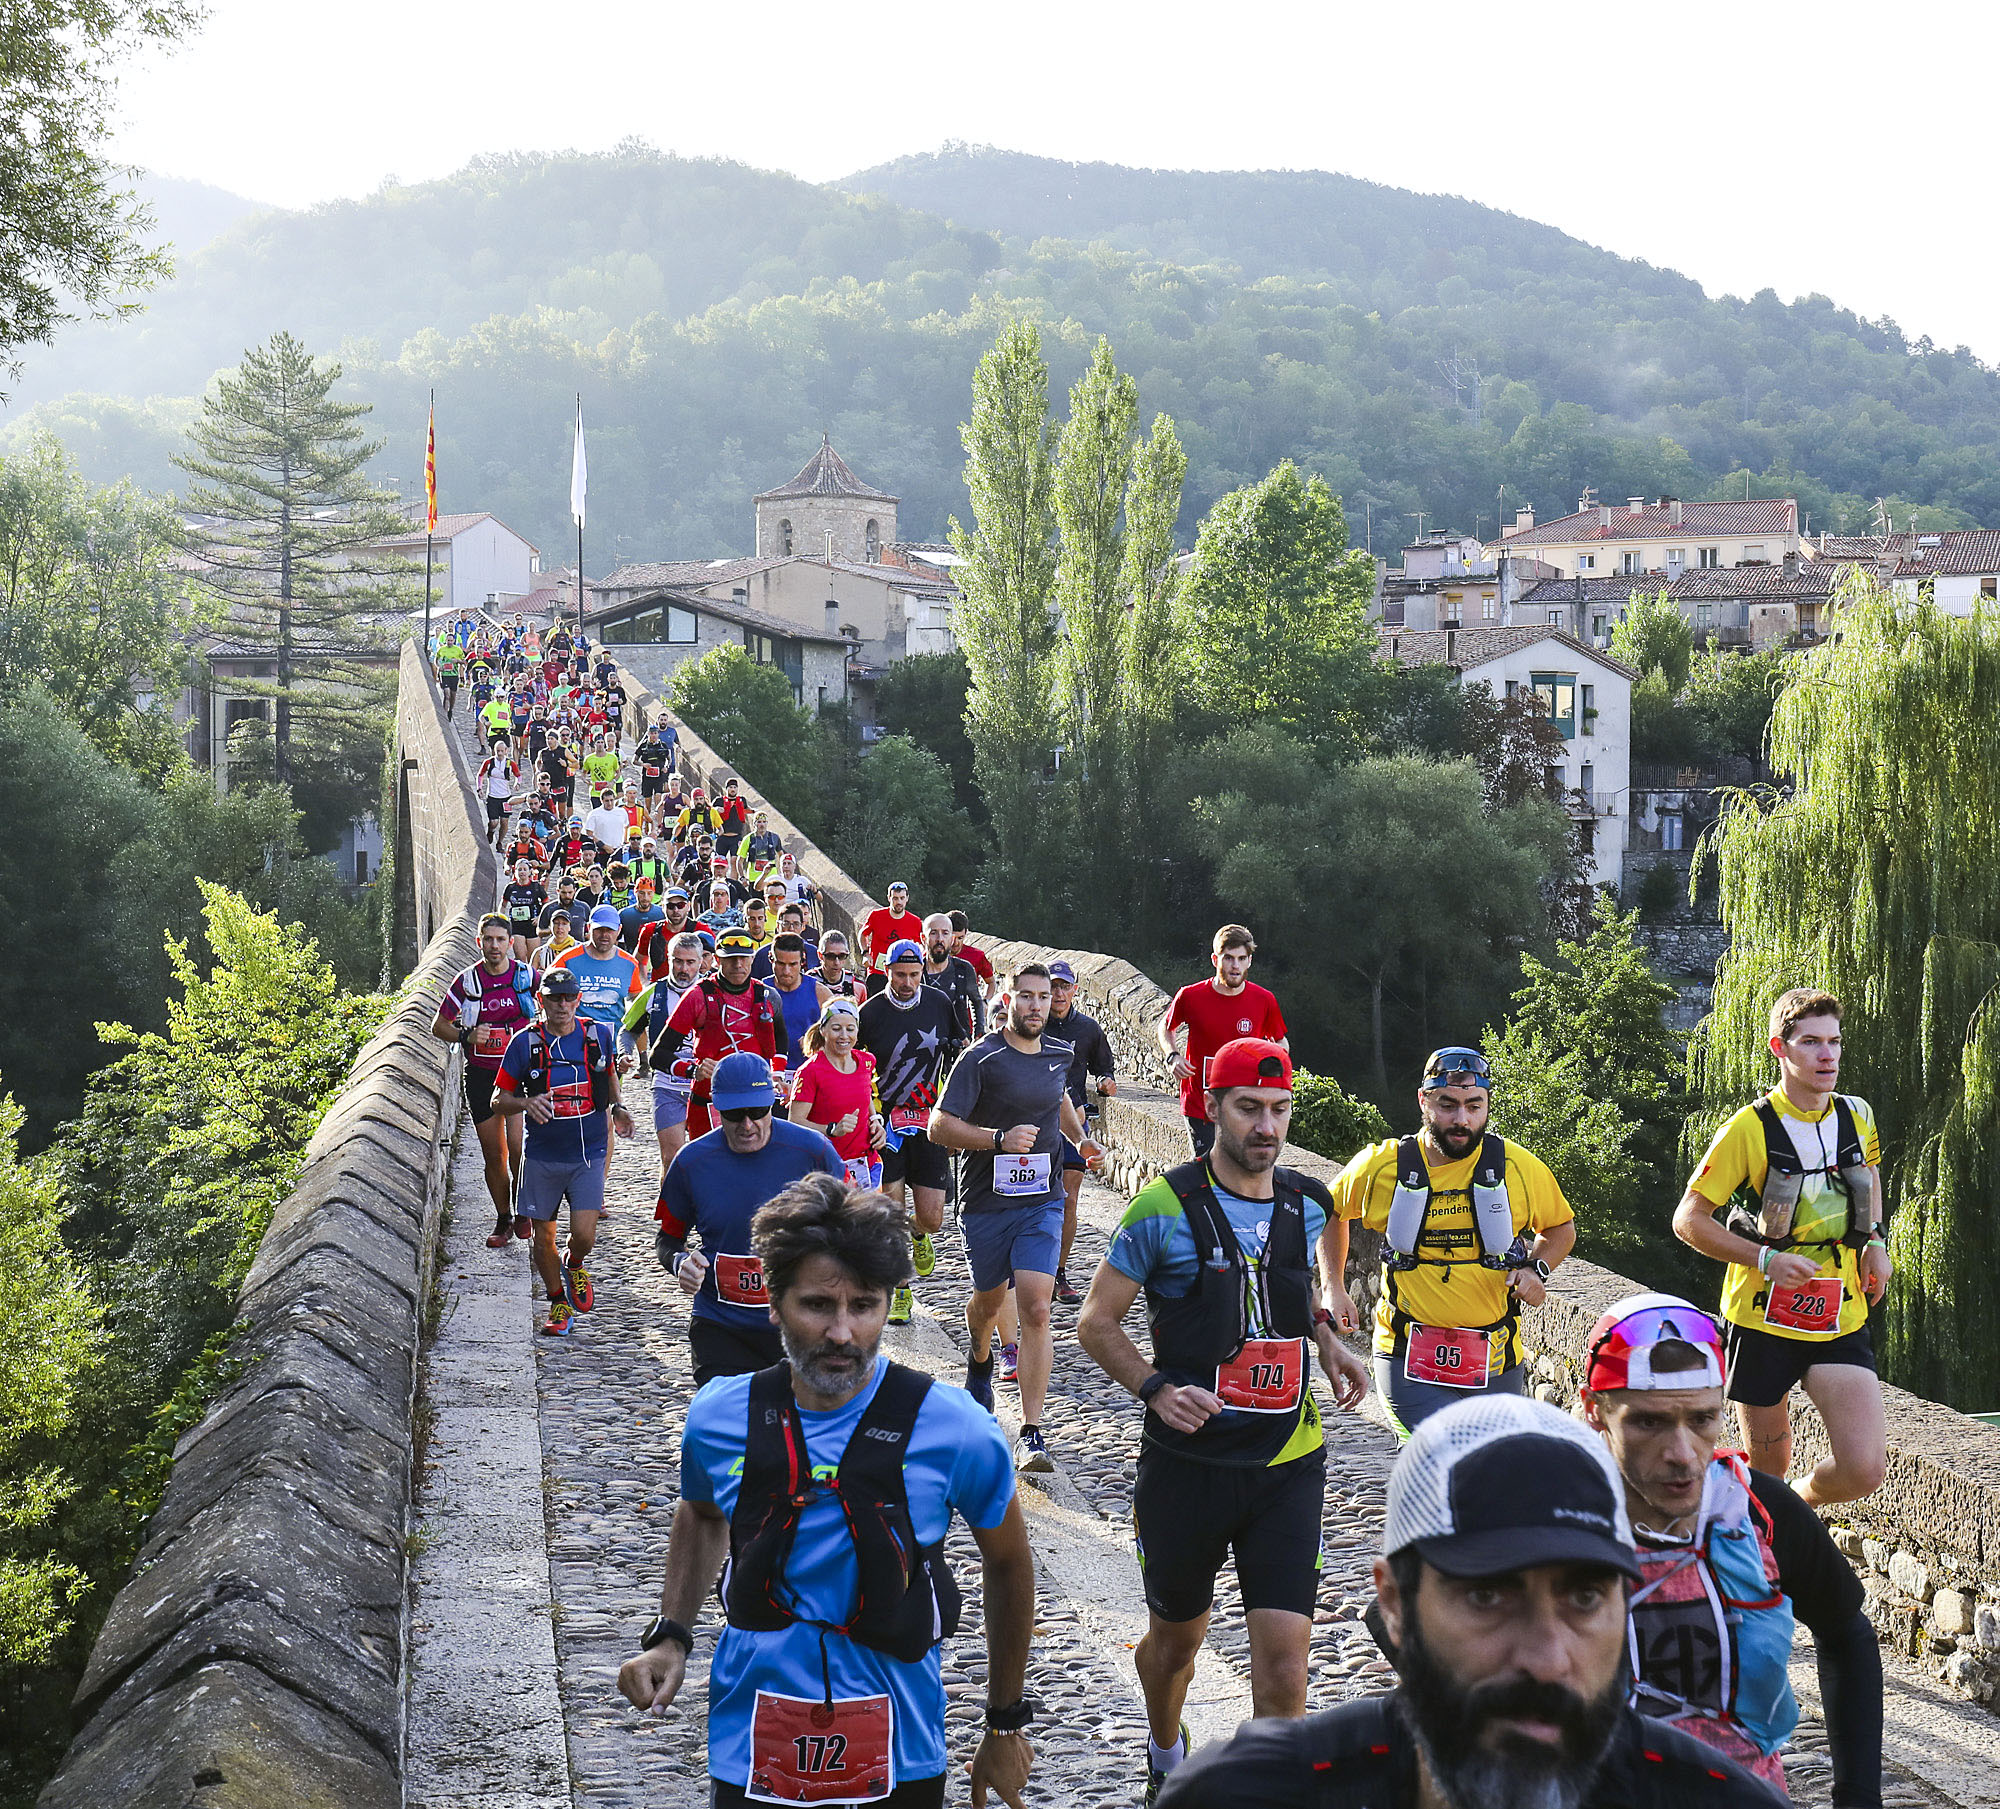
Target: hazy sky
{"x":1830,"y":146}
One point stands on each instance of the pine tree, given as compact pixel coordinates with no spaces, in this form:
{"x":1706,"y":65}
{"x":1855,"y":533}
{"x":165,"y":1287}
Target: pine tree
{"x":288,"y":537}
{"x":1875,"y":878}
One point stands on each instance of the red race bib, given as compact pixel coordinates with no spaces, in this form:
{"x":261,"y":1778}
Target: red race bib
{"x":1265,"y":1377}
{"x":740,"y":1280}
{"x":491,"y":1039}
{"x":1448,"y":1355}
{"x":909,"y":1118}
{"x":807,"y":1752}
{"x":1812,"y":1306}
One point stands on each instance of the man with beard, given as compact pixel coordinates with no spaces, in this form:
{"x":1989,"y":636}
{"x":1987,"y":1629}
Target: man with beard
{"x":815,"y":1695}
{"x":1233,"y":1454}
{"x":1471,"y":1226}
{"x":1505,"y":1562}
{"x":725,"y":1013}
{"x":1729,"y":1557}
{"x":712,"y":1191}
{"x":1007,"y":1105}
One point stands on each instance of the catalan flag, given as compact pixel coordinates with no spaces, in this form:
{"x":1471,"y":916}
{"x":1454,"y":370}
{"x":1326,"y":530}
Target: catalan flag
{"x":431,"y":474}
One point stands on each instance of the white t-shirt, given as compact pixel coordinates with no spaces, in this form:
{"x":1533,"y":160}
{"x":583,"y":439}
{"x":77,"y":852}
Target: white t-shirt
{"x":607,"y":825}
{"x":500,"y":779}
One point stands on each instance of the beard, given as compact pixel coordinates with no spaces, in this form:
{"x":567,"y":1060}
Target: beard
{"x":827,"y":1368}
{"x":1449,"y":1722}
{"x":1252,"y":1158}
{"x":1455,"y":1139}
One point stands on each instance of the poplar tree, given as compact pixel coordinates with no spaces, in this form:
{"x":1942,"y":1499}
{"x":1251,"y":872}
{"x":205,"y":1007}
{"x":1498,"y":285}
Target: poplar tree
{"x":1874,"y":877}
{"x":287,"y":536}
{"x":1152,"y":668}
{"x":1093,"y":465}
{"x":1004,"y":620}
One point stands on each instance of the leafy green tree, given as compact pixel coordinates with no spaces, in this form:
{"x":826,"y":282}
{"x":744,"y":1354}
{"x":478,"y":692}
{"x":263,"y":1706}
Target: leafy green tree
{"x":91,"y":605}
{"x":747,"y":713}
{"x":1276,"y":605}
{"x":1005,"y":622}
{"x":899,"y":821}
{"x":289,"y":539}
{"x":1664,"y":733}
{"x":1729,"y":697}
{"x":923,"y":697}
{"x":1653,"y":636}
{"x":1151,"y":578}
{"x":74,"y":237}
{"x":1872,"y":875}
{"x":1330,"y":1121}
{"x":48,"y":1348}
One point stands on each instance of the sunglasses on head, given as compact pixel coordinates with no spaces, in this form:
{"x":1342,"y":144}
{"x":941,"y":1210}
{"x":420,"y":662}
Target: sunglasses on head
{"x":744,"y":1114}
{"x":1450,"y":1065}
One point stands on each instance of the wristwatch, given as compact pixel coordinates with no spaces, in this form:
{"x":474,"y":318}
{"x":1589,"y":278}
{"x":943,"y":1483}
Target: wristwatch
{"x":1537,"y":1268}
{"x":1322,"y":1316}
{"x":999,"y":1137}
{"x":661,"y":1629}
{"x":1013,"y":1719}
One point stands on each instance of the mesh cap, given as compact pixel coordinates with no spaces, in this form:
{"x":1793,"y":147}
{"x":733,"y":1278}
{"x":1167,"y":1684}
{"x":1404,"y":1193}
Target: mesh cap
{"x":1506,"y":1483}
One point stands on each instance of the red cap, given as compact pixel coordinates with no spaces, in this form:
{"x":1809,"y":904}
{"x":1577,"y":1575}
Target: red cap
{"x":1249,"y":1061}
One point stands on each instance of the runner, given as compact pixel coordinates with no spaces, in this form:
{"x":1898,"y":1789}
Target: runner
{"x":561,"y":937}
{"x":712,"y":1191}
{"x":807,"y":1676}
{"x":1807,"y":1248}
{"x":561,"y":1073}
{"x":1090,"y":1080}
{"x":908,"y":1028}
{"x":638,"y":917}
{"x":834,"y":1092}
{"x":1233,"y":1454}
{"x":568,"y":906}
{"x":648,"y":865}
{"x":1215,"y":1012}
{"x":522,"y":901}
{"x":961,"y":929}
{"x":561,"y":777}
{"x":800,"y":999}
{"x":1712,"y":1531}
{"x":763,"y":847}
{"x":1007,"y":1105}
{"x":600,"y":767}
{"x":607,"y":976}
{"x":697,"y":819}
{"x":953,"y":976}
{"x":833,"y":972}
{"x":656,"y":939}
{"x":499,"y":773}
{"x":724,"y":1014}
{"x":734,"y":825}
{"x":1457,"y":1208}
{"x":888,"y":926}
{"x":481,"y":1010}
{"x":605,"y":825}
{"x":496,"y":721}
{"x":450,"y":662}
{"x":1503,"y":1576}
{"x":722,"y":913}
{"x":655,"y":1007}
{"x":654,"y":759}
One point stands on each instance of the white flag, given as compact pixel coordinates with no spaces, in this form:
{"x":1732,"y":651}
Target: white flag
{"x":578,"y":472}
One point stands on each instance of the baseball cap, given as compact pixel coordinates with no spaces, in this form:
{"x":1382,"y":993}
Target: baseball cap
{"x":560,"y":983}
{"x":1061,"y":970}
{"x":742,"y":1079}
{"x":605,"y":918}
{"x":1621,"y":1344}
{"x":1507,"y":1483}
{"x":905,"y":950}
{"x":736,"y":942}
{"x":680,"y":892}
{"x":707,"y":936}
{"x":1249,"y":1061}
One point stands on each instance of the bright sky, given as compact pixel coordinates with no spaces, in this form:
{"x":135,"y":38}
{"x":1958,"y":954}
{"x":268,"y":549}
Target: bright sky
{"x":1800,"y":146}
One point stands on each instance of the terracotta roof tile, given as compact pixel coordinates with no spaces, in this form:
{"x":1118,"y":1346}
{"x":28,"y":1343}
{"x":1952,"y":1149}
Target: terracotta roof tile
{"x":1959,"y":552}
{"x":1475,"y":646}
{"x":1715,"y":520}
{"x":825,"y":474}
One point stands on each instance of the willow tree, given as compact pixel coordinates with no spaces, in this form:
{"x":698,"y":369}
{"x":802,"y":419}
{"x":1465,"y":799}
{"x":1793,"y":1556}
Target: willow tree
{"x":1875,"y":877}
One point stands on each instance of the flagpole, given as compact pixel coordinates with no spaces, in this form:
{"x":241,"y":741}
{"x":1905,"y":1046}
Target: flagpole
{"x":576,"y":506}
{"x":430,"y":514}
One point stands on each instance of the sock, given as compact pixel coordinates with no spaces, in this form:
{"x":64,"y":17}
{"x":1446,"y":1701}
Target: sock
{"x":1164,"y":1758}
{"x":1028,"y":1426}
{"x":985,"y":1362}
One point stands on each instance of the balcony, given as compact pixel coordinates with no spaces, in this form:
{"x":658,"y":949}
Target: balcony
{"x":1583,"y":806}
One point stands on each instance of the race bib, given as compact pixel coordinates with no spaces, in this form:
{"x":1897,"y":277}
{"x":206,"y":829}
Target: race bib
{"x":1812,"y":1306}
{"x":1265,"y":1376}
{"x":739,"y":1280}
{"x":806,"y":1751}
{"x":1447,"y":1355}
{"x":491,"y":1039}
{"x":861,"y":1171}
{"x":1022,"y":1177}
{"x":909,"y":1118}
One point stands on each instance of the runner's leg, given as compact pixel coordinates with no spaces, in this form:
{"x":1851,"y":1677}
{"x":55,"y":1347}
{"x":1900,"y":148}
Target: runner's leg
{"x":1767,"y":1435}
{"x":1032,"y":1293}
{"x":1279,"y":1643}
{"x":1849,"y":1399}
{"x":982,"y":1313}
{"x":1164,"y":1659}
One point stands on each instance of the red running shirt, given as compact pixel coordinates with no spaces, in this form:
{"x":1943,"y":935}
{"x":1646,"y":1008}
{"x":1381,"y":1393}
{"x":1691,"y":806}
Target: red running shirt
{"x":1214,"y":1019}
{"x":832,"y":1095}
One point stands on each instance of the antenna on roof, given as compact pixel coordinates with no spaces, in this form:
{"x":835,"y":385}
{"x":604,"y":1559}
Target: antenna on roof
{"x":1417,"y":515}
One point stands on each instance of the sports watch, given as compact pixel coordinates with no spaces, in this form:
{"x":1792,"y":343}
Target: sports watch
{"x":661,"y":1629}
{"x":1013,"y":1719}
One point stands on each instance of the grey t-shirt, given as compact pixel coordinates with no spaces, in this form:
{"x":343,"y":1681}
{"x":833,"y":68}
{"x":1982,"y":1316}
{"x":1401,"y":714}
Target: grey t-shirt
{"x":995,"y":1085}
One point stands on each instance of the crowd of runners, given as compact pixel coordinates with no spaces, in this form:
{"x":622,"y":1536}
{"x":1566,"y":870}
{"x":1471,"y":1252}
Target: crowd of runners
{"x":1593,"y":1608}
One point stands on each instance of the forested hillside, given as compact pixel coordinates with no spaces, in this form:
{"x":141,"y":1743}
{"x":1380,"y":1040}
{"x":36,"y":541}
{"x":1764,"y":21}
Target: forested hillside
{"x":717,"y":318}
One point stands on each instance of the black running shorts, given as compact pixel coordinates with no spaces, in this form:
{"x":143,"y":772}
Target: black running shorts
{"x":1188,"y":1517}
{"x":727,"y":1350}
{"x":919,"y":1162}
{"x":479,"y":1092}
{"x":1764,"y":1368}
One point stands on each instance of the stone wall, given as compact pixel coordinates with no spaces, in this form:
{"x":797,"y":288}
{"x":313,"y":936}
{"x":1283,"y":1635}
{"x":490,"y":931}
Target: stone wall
{"x":256,"y":1655}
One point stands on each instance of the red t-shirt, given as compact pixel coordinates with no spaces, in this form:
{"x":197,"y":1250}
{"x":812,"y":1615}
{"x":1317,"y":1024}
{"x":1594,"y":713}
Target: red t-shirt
{"x":832,"y":1095}
{"x":980,"y":965}
{"x":884,"y":927}
{"x":1213,"y":1019}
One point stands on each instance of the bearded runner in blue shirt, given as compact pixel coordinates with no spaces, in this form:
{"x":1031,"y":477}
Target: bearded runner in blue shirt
{"x":825,"y":1684}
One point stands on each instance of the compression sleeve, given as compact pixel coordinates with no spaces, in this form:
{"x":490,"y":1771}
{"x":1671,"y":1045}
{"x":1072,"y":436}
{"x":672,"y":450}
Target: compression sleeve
{"x":1850,"y":1688}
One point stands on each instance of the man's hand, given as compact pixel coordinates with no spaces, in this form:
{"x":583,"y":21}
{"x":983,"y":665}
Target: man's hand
{"x":621,"y":1119}
{"x":653,"y":1679}
{"x":878,"y":1132}
{"x":1341,"y":1305}
{"x":1019,"y":1140}
{"x":691,"y":1270}
{"x":1183,"y":1068}
{"x":704,"y":1071}
{"x":1790,"y":1270}
{"x":1001,"y":1764}
{"x":843,"y":1126}
{"x":1527,"y":1286}
{"x":1876,"y":1269}
{"x":1092,"y":1153}
{"x":1186,"y":1409}
{"x":1347,"y":1372}
{"x":540,"y":1107}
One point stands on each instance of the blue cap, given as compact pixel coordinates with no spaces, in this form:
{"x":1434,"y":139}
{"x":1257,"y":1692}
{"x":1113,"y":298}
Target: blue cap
{"x":906,"y":950}
{"x":680,"y":892}
{"x":605,"y":918}
{"x":742,"y":1079}
{"x":1061,"y":970}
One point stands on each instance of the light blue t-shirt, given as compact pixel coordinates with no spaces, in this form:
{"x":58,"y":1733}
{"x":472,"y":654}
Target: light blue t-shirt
{"x":958,"y":1462}
{"x":1154,"y":1245}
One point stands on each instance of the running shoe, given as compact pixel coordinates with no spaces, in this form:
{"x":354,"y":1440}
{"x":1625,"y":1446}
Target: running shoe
{"x":503,"y":1232}
{"x":576,"y":1284}
{"x":1065,"y":1294}
{"x":902,"y":1304}
{"x":1154,"y":1779}
{"x":561,"y":1320}
{"x":923,"y":1252}
{"x":979,"y":1382}
{"x":1031,"y":1456}
{"x":1010,"y":1363}
{"x":524,"y":1227}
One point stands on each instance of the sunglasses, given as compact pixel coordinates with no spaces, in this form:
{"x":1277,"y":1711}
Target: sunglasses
{"x":1655,"y":1325}
{"x":1448,"y":1064}
{"x":744,"y":1114}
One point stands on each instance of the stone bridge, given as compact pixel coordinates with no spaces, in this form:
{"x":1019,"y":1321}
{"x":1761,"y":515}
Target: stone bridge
{"x":400,"y":1558}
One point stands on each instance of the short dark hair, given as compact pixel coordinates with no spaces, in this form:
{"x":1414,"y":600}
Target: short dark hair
{"x":1674,"y":1356}
{"x":788,"y":944}
{"x":1234,"y":935}
{"x":959,"y":920}
{"x":1032,"y":970}
{"x":1801,"y":1002}
{"x":864,"y":1231}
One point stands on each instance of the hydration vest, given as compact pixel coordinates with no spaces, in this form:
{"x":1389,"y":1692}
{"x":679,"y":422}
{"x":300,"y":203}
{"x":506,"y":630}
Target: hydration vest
{"x":467,"y":986}
{"x":907,"y":1599}
{"x":1767,"y":1217}
{"x":1718,"y":1594}
{"x":1409,"y":1212}
{"x":596,"y":1063}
